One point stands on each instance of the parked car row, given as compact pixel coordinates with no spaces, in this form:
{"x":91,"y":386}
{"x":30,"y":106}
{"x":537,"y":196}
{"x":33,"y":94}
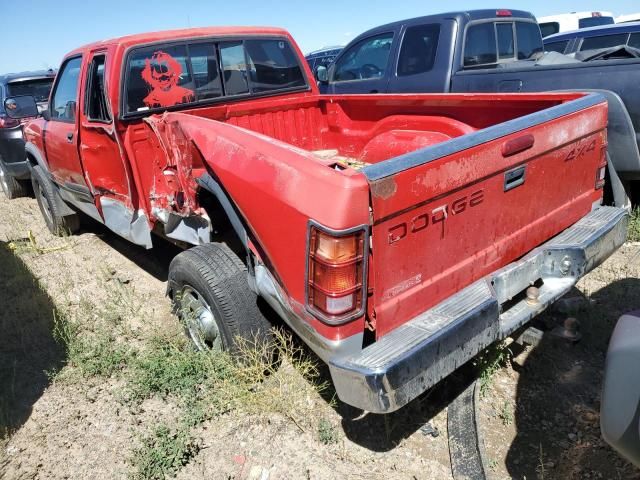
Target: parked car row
{"x":627,"y":34}
{"x":492,"y":51}
{"x":14,"y":171}
{"x":482,"y":208}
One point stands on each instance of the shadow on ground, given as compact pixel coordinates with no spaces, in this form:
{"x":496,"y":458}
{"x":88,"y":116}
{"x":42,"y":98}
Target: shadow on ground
{"x":558,"y":396}
{"x":154,"y":261}
{"x":27,"y":346}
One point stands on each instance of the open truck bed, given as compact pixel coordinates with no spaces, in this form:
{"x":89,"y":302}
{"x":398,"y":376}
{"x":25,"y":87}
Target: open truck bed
{"x":457,"y":187}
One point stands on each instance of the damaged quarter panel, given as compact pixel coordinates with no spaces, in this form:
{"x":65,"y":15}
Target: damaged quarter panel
{"x":276,"y":187}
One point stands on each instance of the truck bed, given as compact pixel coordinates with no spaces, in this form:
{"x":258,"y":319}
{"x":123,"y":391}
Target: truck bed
{"x":513,"y":169}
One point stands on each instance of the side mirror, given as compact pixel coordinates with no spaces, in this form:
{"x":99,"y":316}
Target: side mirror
{"x":23,"y":106}
{"x":46,"y":114}
{"x":322,"y":74}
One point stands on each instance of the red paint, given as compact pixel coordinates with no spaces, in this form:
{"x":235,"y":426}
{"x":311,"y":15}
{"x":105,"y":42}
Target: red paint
{"x":436,"y":228}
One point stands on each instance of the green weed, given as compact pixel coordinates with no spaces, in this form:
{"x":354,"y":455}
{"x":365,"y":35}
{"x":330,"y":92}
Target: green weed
{"x":162,"y":453}
{"x":634,"y":226}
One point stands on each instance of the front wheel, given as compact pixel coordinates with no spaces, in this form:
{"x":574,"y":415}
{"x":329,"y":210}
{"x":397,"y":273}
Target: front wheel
{"x":211,"y":297}
{"x":57,"y":224}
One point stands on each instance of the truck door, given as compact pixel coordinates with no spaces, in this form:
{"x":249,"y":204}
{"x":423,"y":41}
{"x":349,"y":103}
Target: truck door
{"x":61,"y":140}
{"x":365,"y":67}
{"x":424,"y":58}
{"x":104,"y":159}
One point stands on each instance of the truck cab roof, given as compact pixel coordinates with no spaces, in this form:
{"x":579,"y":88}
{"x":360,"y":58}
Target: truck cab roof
{"x":165,"y":35}
{"x":460,"y":16}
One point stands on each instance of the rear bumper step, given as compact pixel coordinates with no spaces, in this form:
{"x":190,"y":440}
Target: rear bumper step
{"x":406,"y":362}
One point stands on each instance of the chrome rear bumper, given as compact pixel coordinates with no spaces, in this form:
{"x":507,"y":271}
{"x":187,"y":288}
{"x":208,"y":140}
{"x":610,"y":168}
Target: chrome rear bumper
{"x":406,"y":362}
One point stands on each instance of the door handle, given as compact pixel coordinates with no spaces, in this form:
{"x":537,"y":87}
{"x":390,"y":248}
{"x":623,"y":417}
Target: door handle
{"x":70,"y":137}
{"x":373,"y":91}
{"x":514,"y":178}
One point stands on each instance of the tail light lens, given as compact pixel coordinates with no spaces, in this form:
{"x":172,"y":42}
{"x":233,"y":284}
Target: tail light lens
{"x":335,"y":283}
{"x":8,"y":122}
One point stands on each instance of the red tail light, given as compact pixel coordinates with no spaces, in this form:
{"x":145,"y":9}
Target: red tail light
{"x":596,"y":14}
{"x":8,"y":122}
{"x":335,"y":283}
{"x":503,"y":13}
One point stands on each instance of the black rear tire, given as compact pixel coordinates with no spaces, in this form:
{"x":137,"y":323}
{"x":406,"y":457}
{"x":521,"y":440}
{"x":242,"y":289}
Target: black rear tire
{"x":57,"y":224}
{"x":10,"y":186}
{"x":209,"y":283}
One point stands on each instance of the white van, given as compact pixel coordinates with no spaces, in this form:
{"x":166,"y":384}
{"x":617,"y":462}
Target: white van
{"x":566,"y":22}
{"x":632,"y":17}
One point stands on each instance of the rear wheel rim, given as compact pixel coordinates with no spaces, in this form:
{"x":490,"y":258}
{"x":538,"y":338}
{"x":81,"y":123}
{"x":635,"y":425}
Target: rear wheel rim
{"x":199,"y":320}
{"x":3,"y":181}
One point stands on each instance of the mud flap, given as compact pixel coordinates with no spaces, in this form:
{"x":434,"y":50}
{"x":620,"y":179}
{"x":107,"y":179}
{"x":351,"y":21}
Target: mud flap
{"x":466,"y":448}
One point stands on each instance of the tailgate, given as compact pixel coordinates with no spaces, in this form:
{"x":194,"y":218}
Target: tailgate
{"x":450,"y":214}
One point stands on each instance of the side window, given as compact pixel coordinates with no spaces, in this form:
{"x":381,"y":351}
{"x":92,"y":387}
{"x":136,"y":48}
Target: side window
{"x":549,"y":28}
{"x":634,"y":40}
{"x":273,"y":65}
{"x":528,"y":40}
{"x":604,"y":41}
{"x":158,"y":77}
{"x":559,"y":47}
{"x":234,"y":68}
{"x":96,"y":103}
{"x":418,"y":50}
{"x":65,"y":98}
{"x":367,"y":59}
{"x":504,"y":32}
{"x":204,"y":68}
{"x":480,"y":45}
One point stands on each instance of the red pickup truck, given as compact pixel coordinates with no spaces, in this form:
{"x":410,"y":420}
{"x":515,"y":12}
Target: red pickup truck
{"x":397,"y":235}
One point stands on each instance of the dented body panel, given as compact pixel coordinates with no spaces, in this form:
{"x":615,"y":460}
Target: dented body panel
{"x":448,"y":188}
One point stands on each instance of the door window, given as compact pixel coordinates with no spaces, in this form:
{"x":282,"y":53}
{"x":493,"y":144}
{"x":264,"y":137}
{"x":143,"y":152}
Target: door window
{"x":634,"y":40}
{"x":418,"y":51}
{"x":96,"y":108}
{"x":480,"y":45}
{"x":365,"y":60}
{"x":559,"y":47}
{"x":528,"y":40}
{"x":604,"y":41}
{"x":65,"y":98}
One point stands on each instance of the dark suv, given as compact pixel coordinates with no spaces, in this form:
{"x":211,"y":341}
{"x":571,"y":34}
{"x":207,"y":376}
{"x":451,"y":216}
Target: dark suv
{"x":14,"y":170}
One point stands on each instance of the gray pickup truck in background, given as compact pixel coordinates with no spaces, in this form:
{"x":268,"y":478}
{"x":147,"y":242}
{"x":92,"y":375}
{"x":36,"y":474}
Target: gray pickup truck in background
{"x":493,"y":51}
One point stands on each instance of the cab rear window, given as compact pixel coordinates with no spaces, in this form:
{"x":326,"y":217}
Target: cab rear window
{"x":38,"y":88}
{"x":160,"y":77}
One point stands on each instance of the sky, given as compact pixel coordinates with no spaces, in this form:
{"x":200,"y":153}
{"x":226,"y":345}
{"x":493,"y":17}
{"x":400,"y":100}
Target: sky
{"x":36,"y":34}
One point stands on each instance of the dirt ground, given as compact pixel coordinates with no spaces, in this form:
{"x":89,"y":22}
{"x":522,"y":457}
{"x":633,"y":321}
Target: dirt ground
{"x":539,"y":410}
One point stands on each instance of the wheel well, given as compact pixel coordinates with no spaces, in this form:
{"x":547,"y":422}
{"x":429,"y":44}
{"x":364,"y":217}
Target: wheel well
{"x":222,"y":230}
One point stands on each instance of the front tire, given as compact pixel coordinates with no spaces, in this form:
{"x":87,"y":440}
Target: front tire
{"x":57,"y":224}
{"x":211,"y":296}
